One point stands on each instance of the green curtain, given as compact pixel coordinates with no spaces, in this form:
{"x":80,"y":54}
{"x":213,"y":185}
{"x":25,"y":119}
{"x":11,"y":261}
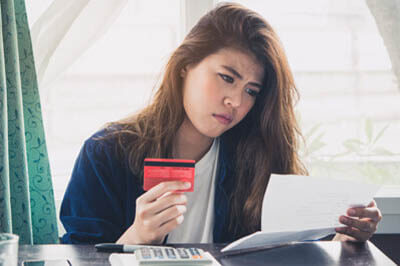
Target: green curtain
{"x":26,"y":194}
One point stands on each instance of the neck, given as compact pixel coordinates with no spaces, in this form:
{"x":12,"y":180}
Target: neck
{"x":189,"y":143}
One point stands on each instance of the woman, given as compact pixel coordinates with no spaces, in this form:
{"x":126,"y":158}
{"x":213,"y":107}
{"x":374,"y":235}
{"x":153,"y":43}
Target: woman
{"x":225,"y":101}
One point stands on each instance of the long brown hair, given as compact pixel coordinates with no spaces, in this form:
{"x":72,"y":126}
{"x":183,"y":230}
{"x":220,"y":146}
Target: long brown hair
{"x":266,"y":139}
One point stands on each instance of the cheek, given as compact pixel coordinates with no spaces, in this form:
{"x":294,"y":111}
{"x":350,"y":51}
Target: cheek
{"x":211,"y":93}
{"x":203,"y":93}
{"x":244,"y":110}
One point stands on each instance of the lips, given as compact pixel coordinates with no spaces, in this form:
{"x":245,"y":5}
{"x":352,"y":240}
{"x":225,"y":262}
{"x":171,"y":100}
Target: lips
{"x":225,"y":119}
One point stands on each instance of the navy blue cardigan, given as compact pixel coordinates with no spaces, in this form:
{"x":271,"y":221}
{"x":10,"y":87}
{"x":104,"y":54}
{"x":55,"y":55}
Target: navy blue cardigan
{"x":99,"y":203}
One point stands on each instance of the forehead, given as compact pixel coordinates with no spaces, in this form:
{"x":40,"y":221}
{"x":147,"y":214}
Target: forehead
{"x":244,"y":63}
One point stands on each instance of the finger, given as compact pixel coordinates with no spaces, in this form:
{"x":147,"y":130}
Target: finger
{"x":169,"y":214}
{"x":166,"y":202}
{"x":170,"y":225}
{"x":153,"y":222}
{"x":354,"y":232}
{"x":365,"y":225}
{"x":372,"y":204}
{"x":162,"y":188}
{"x":368,"y":212}
{"x":342,"y":237}
{"x":168,"y":193}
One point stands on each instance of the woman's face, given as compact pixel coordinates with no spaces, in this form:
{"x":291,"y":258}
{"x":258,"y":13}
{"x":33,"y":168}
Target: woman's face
{"x":219,"y":91}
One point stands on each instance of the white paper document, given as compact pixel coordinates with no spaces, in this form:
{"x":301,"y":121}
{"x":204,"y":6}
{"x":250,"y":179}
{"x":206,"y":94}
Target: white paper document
{"x":298,"y":208}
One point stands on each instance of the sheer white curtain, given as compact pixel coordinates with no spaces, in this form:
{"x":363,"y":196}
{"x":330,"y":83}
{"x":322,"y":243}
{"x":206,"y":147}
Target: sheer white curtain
{"x":66,"y":30}
{"x":387,"y":17}
{"x":98,"y":61}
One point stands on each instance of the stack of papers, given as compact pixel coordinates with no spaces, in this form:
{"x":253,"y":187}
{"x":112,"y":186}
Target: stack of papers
{"x":297,"y":208}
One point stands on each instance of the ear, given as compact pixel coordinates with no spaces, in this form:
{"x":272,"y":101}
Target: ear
{"x":183,"y":72}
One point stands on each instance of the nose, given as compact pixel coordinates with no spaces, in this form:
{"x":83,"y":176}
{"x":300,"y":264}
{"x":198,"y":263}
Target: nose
{"x":233,"y":99}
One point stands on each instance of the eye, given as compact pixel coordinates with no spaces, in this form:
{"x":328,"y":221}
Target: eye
{"x":226,"y":78}
{"x":252,"y":92}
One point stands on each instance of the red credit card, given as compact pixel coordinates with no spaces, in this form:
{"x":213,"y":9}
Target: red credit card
{"x":162,"y":170}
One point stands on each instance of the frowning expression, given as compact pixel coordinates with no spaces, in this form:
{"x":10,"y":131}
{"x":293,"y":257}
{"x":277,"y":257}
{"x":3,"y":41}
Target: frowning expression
{"x":219,"y":91}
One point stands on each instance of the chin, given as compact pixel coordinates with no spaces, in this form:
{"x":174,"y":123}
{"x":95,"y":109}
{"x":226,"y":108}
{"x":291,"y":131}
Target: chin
{"x":214,"y":134}
{"x":213,"y":131}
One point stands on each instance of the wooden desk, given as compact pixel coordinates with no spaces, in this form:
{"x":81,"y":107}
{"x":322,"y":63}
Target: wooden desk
{"x":308,"y":253}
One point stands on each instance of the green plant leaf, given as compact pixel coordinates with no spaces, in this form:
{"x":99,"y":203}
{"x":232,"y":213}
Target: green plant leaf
{"x":369,"y":129}
{"x":341,"y":154}
{"x":353,"y":145}
{"x":376,"y":174}
{"x":382,"y":151}
{"x":380,"y":134}
{"x":316,"y":144}
{"x":312,"y":131}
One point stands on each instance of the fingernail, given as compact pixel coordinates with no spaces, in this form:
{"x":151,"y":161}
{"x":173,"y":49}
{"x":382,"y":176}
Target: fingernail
{"x":352,"y":212}
{"x":183,"y":198}
{"x":181,"y":209}
{"x":179,"y":219}
{"x":187,"y":185}
{"x":343,"y":219}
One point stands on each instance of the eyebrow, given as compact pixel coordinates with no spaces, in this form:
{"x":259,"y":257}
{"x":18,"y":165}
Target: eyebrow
{"x":234,"y":72}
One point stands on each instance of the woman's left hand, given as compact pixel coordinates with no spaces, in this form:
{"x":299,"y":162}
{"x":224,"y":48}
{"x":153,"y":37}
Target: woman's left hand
{"x":361,"y":223}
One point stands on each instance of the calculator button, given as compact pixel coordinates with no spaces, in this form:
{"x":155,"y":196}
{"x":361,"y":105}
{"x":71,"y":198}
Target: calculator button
{"x":145,"y":253}
{"x":197,"y":251}
{"x":170,"y":253}
{"x":192,"y":252}
{"x":182,"y":253}
{"x":158,"y":253}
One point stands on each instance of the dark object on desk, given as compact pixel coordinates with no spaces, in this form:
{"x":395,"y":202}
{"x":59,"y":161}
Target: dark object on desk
{"x":62,"y":262}
{"x":117,"y":248}
{"x":77,"y":254}
{"x":110,"y":247}
{"x":388,"y":244}
{"x":308,"y":253}
{"x":312,"y":254}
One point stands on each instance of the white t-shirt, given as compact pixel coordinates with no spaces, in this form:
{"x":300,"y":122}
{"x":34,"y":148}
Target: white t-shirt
{"x":198,"y":223}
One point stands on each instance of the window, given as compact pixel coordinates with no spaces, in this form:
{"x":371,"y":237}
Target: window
{"x":349,"y":108}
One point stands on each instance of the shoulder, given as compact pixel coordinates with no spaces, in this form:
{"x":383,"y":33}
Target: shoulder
{"x":102,"y":158}
{"x":107,"y":142}
{"x":107,"y":135}
{"x":113,"y":145}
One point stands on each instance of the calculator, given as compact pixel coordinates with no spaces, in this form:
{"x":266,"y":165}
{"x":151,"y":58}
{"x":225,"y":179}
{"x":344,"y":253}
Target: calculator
{"x":172,"y":256}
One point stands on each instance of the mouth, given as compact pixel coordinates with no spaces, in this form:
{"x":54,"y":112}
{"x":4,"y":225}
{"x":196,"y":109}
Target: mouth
{"x":224,"y":119}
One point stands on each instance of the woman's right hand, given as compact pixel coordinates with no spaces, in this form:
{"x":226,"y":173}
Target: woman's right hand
{"x":158,"y":212}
